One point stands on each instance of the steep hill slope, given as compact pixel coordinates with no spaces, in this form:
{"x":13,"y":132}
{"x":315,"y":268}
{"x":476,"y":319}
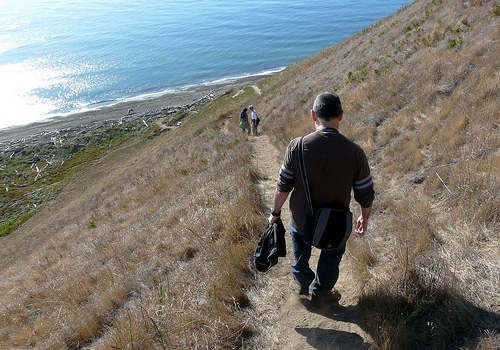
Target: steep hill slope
{"x":420,"y":91}
{"x":149,"y":247}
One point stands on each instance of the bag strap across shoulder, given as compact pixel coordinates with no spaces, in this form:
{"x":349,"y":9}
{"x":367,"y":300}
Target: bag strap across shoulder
{"x":305,"y":180}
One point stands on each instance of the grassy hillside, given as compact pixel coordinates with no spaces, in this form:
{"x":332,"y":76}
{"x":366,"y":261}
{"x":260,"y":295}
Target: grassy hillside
{"x":148,"y":247}
{"x":420,"y":92}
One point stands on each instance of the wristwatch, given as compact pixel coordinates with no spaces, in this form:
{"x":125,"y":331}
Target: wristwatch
{"x":278,"y":214}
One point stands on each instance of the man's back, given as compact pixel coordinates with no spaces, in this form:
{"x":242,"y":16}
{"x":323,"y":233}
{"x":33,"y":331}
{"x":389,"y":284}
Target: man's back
{"x":334,"y":165}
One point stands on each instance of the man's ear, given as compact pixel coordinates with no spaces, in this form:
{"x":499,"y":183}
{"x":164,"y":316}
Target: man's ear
{"x":341,"y":116}
{"x":313,"y":115}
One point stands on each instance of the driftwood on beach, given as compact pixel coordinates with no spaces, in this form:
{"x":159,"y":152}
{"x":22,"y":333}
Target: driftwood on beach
{"x":57,"y":136}
{"x":35,"y":158}
{"x":30,"y":162}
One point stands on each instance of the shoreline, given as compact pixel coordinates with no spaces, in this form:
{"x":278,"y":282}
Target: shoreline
{"x":146,"y":107}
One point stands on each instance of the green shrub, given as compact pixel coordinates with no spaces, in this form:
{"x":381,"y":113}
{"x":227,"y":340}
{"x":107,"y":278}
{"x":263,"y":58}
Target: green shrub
{"x":454,"y":43}
{"x":495,"y":11}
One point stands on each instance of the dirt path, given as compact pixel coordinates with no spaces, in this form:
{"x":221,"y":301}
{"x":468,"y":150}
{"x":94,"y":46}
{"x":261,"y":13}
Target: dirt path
{"x":287,"y":320}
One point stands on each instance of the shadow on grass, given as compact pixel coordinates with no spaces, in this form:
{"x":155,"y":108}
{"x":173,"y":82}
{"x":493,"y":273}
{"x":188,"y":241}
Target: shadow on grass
{"x":332,"y":339}
{"x":438,"y":321}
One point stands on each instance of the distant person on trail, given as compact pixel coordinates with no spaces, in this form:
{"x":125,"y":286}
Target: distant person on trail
{"x":255,"y":120}
{"x":244,"y":121}
{"x":334,"y":166}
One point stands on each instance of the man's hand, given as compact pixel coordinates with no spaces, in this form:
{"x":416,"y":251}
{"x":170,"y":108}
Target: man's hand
{"x":362,"y":222}
{"x":361,"y":226}
{"x":272,"y":219}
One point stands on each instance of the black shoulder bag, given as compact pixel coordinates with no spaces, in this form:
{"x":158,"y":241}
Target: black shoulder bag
{"x":329,"y":228}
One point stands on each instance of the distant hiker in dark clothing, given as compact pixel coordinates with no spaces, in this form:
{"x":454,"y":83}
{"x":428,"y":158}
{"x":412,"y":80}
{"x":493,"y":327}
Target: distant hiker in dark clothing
{"x":335,"y":167}
{"x":244,"y":121}
{"x":255,"y":120}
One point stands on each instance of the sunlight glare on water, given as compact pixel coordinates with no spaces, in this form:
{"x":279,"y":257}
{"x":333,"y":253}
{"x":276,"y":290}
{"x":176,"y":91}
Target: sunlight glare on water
{"x":19,"y":105}
{"x":58,"y":57}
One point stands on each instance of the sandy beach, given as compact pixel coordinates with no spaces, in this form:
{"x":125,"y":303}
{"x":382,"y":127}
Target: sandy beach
{"x":138,"y":108}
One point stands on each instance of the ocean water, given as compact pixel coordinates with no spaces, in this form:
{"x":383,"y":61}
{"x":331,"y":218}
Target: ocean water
{"x":58,"y":57}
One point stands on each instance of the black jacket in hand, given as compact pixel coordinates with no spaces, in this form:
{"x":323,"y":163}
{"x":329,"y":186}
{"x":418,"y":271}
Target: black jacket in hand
{"x":271,"y":246}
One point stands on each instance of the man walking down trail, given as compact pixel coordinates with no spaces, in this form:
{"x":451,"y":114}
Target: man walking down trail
{"x":254,"y":120}
{"x":335,"y":166}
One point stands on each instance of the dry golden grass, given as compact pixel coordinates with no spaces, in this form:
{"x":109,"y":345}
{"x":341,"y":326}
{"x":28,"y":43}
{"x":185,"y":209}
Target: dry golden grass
{"x":149,"y":248}
{"x":163,"y":261}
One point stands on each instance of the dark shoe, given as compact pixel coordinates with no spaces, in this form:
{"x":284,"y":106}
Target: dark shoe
{"x":298,"y":289}
{"x":325,"y":299}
